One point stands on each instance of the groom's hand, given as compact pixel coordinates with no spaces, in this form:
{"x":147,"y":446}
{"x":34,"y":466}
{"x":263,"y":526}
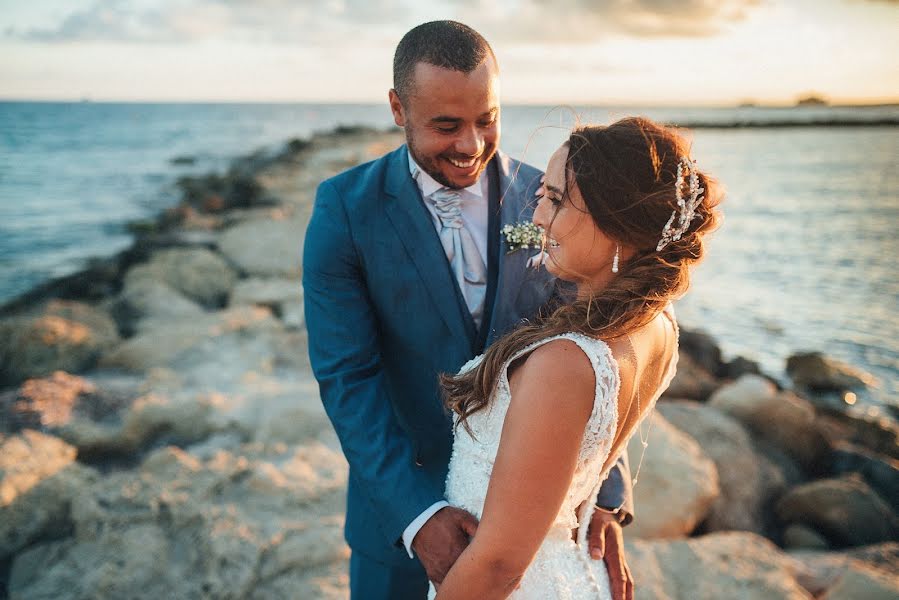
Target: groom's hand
{"x":606,"y":541}
{"x":442,"y":539}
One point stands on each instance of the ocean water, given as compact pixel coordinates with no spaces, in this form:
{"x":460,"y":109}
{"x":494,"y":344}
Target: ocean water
{"x":806,"y":259}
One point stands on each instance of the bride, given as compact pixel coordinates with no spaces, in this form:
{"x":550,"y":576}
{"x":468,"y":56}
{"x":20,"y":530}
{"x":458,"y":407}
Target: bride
{"x":546,"y":411}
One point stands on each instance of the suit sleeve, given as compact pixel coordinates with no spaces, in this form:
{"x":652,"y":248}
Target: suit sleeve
{"x":344,"y":351}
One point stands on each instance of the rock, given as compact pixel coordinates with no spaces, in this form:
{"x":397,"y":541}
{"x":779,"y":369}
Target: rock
{"x":863,"y":583}
{"x":876,"y":434}
{"x":822,"y":572}
{"x":42,"y":403}
{"x":782,"y":418}
{"x":265,"y":248}
{"x":801,"y":537}
{"x":38,"y":479}
{"x":677,"y":482}
{"x":691,"y":381}
{"x":283,"y":296}
{"x":746,"y":485}
{"x":145,"y":302}
{"x":880,"y":472}
{"x":817,"y":372}
{"x":845,"y":510}
{"x":250,"y":523}
{"x":702,"y":348}
{"x":740,"y":366}
{"x":198,"y":273}
{"x":62,"y":336}
{"x":151,"y":418}
{"x":164,"y":345}
{"x":720,"y":565}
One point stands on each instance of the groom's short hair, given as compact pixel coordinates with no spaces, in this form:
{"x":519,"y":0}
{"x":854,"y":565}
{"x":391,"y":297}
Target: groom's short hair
{"x":447,"y":44}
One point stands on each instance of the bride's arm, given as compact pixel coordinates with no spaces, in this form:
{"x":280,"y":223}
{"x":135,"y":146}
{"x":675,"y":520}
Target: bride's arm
{"x":541,"y":437}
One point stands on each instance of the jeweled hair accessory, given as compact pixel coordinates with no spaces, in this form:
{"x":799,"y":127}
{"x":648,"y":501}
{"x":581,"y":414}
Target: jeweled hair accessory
{"x":687,"y":208}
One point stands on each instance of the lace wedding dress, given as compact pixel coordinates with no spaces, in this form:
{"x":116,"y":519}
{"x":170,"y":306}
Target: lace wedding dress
{"x":562,"y":568}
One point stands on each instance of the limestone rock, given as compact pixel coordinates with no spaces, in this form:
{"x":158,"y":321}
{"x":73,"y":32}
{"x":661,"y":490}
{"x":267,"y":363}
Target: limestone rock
{"x":815,"y":371}
{"x":265,"y":248}
{"x":702,"y":348}
{"x":198,"y":273}
{"x":145,"y":302}
{"x":677,"y":483}
{"x":691,"y":382}
{"x":864,"y":583}
{"x":284,"y":296}
{"x":162,"y":346}
{"x":845,"y":510}
{"x":720,"y":565}
{"x":62,"y":336}
{"x":820,"y":571}
{"x":38,"y":479}
{"x":780,"y":417}
{"x":746,"y":486}
{"x":249,"y":523}
{"x":801,"y":537}
{"x":880,"y":472}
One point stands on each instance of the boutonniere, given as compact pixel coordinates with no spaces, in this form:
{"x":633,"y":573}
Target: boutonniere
{"x":522,"y":236}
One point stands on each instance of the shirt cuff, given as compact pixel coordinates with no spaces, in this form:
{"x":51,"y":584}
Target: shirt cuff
{"x":410,"y":532}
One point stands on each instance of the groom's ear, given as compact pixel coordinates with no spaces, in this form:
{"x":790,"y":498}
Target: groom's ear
{"x":396,"y":107}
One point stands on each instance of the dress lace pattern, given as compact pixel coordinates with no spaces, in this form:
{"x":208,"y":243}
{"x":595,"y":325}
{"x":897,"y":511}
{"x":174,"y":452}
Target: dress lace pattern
{"x":562,"y":568}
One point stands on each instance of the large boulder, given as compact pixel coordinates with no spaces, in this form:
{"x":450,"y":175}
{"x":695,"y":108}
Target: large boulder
{"x":263,"y":521}
{"x":720,"y":565}
{"x":691,"y":381}
{"x":864,"y":583}
{"x":165,"y":344}
{"x":780,"y":417}
{"x":62,"y":335}
{"x":265,"y":247}
{"x":145,"y":302}
{"x":821,"y":573}
{"x":814,"y":371}
{"x":846,"y":510}
{"x":284,"y":296}
{"x":880,"y":472}
{"x":197,"y":273}
{"x":38,"y":480}
{"x":702,"y":348}
{"x":747,"y":482}
{"x":677,"y":482}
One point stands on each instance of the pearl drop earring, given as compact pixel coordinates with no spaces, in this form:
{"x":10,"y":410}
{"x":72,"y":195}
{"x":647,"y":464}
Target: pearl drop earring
{"x":615,"y":260}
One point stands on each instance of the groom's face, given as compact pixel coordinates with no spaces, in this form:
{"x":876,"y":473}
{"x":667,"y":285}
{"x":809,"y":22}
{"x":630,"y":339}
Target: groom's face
{"x":451,"y":120}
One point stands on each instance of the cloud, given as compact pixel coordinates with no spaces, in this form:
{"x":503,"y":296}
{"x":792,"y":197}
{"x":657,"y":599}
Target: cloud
{"x":334,"y":22}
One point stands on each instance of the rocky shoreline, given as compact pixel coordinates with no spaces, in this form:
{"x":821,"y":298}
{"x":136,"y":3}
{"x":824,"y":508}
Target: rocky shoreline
{"x":161,"y":433}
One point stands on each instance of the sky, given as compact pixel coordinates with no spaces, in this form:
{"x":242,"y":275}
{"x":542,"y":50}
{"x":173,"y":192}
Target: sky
{"x":603,"y":52}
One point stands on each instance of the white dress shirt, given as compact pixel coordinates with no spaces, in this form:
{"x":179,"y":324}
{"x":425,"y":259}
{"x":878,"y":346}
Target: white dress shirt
{"x":475,"y":217}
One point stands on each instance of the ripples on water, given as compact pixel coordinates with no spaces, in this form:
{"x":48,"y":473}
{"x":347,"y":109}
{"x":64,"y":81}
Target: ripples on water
{"x":805,"y":260}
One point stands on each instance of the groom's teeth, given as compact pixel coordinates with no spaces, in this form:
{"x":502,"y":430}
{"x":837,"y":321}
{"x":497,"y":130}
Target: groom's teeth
{"x":462,"y":165}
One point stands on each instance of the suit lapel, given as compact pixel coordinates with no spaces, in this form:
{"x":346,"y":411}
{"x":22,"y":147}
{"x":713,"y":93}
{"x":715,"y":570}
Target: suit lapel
{"x":406,"y":211}
{"x":517,"y":202}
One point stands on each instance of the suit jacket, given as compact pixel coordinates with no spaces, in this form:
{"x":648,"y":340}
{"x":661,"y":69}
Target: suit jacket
{"x":385,"y":315}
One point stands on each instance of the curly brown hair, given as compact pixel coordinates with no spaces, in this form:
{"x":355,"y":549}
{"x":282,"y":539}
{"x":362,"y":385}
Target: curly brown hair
{"x":626,"y":174}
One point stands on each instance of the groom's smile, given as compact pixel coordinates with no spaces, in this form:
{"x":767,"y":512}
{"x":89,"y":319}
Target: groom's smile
{"x":451,"y":120}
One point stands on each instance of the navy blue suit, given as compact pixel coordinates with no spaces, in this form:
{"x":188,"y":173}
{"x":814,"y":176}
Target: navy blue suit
{"x":385,"y":315}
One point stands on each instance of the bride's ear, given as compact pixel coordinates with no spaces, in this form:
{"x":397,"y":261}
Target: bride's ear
{"x":396,"y":107}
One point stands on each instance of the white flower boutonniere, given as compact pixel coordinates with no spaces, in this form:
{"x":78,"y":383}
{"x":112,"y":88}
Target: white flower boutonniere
{"x":523,"y":236}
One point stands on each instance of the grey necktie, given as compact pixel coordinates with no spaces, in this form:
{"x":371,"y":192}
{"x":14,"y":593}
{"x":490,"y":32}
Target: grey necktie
{"x":461,"y":251}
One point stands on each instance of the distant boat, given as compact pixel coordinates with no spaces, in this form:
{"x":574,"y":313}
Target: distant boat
{"x":812,"y":101}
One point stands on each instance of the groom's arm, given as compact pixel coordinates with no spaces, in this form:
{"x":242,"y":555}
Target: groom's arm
{"x":617,"y":493}
{"x":344,"y":351}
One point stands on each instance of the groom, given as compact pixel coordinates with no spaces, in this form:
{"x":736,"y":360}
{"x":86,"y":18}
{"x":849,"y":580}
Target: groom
{"x":406,"y":276}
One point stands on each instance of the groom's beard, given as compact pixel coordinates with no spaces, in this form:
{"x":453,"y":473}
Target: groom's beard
{"x":438,"y":167}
